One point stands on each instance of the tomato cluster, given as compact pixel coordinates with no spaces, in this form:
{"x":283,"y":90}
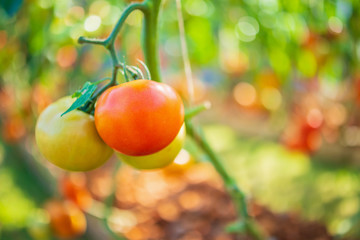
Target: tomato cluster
{"x":142,"y":120}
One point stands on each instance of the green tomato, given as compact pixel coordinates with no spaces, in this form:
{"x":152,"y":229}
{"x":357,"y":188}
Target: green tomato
{"x":158,"y":159}
{"x":71,"y":142}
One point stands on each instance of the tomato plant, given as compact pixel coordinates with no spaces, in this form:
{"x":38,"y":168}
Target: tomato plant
{"x":70,"y":142}
{"x":139,"y":117}
{"x":159,"y":159}
{"x":66,"y":220}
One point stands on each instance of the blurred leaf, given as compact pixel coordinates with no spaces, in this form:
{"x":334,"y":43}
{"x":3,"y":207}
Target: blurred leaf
{"x":11,"y":7}
{"x":307,"y":63}
{"x":280,"y":61}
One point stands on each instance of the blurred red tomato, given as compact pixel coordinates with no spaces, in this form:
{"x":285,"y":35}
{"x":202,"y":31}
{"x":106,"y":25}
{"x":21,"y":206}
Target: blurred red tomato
{"x":13,"y":129}
{"x":73,"y":187}
{"x":41,"y":98}
{"x":304,"y":132}
{"x":66,"y":219}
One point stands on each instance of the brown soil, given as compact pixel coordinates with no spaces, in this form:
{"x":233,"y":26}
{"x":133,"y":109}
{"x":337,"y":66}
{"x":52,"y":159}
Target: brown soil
{"x":192,"y":205}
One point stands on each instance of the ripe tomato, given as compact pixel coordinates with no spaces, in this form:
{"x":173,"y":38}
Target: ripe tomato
{"x":159,"y":159}
{"x":140,"y":117}
{"x":70,"y":142}
{"x":66,"y":220}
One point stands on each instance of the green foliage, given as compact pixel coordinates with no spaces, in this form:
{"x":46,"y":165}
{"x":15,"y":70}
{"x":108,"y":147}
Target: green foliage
{"x":290,"y":181}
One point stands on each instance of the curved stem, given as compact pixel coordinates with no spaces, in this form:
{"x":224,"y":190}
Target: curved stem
{"x":236,"y":193}
{"x":150,"y":38}
{"x":96,"y":41}
{"x":129,"y":9}
{"x":109,"y":42}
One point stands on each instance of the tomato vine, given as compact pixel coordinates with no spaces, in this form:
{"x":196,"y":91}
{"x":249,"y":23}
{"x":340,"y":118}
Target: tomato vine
{"x":150,"y":10}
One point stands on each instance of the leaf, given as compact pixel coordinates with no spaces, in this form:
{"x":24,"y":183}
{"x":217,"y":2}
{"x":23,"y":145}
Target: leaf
{"x":83,"y":95}
{"x":11,"y":7}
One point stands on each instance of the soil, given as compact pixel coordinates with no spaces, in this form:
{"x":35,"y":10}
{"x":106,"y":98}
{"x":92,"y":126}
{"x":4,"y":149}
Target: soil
{"x":192,"y":205}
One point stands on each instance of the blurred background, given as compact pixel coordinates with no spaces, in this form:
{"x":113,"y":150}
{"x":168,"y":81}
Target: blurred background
{"x":284,"y":82}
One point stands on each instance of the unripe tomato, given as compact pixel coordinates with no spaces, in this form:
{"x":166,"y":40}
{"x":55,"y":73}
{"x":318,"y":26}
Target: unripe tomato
{"x":140,"y":117}
{"x":70,"y":142}
{"x":66,"y":220}
{"x":159,"y":159}
{"x":183,"y":162}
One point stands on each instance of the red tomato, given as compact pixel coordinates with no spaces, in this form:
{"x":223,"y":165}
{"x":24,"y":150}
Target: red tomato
{"x":139,"y":117}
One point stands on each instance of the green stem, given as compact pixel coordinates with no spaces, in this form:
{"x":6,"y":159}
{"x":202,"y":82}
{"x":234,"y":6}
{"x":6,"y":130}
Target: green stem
{"x":109,"y":42}
{"x":236,"y":193}
{"x":96,"y":41}
{"x":129,"y":9}
{"x":193,"y":111}
{"x":150,"y":38}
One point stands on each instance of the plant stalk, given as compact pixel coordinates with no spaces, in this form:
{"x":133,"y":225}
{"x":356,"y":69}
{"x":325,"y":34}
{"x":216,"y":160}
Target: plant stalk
{"x":150,"y":38}
{"x":236,"y":193}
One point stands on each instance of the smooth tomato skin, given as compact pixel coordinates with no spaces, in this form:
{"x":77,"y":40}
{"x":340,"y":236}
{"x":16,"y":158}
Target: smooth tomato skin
{"x":140,"y":117}
{"x":160,"y":159}
{"x":71,"y":142}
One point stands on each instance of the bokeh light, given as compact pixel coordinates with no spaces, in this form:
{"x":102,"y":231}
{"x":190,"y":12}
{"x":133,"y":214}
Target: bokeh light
{"x":92,"y":23}
{"x":244,"y":94}
{"x":270,"y":98}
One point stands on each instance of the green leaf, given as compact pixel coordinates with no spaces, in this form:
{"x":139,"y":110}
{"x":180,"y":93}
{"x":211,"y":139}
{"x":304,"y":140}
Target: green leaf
{"x":76,"y":94}
{"x":83,"y":95}
{"x":86,"y":94}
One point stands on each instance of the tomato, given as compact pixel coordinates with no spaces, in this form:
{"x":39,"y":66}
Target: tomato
{"x":159,"y":159}
{"x":70,"y":142}
{"x":66,"y":220}
{"x":180,"y":165}
{"x":140,"y":117}
{"x":73,"y":187}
